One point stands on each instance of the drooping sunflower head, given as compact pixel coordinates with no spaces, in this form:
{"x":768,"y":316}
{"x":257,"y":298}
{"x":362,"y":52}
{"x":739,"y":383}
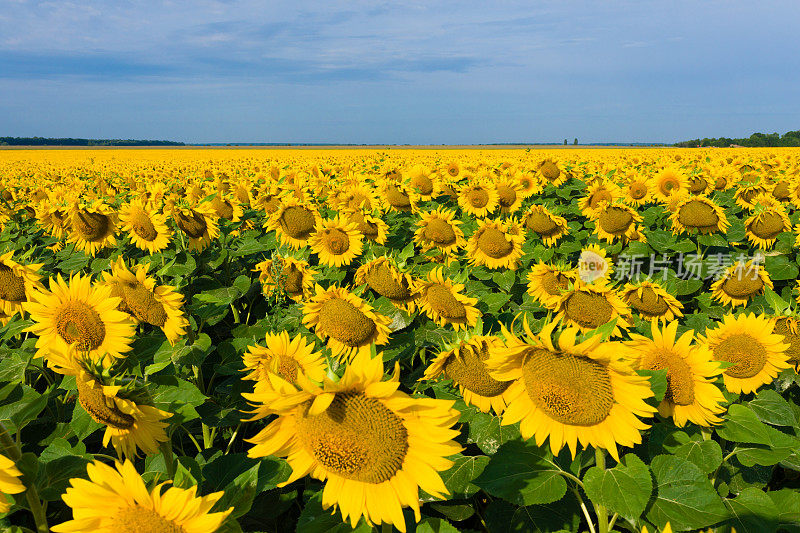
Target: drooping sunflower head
{"x":768,"y":220}
{"x":227,"y":206}
{"x":750,"y":343}
{"x":691,"y":395}
{"x":358,"y":196}
{"x":116,"y":500}
{"x":465,"y":364}
{"x":478,"y":198}
{"x":746,"y":195}
{"x":349,"y":323}
{"x":373,"y":228}
{"x":444,"y":302}
{"x":616,"y":221}
{"x":698,"y":214}
{"x":399,"y":197}
{"x":496,"y":245}
{"x":439,"y":229}
{"x":336,"y":241}
{"x":509,"y":195}
{"x":698,"y":184}
{"x":551,"y":173}
{"x":546,"y":283}
{"x":420,"y":180}
{"x":600,"y":192}
{"x":147,"y":229}
{"x":198,"y":223}
{"x":652,"y":301}
{"x":548,"y":226}
{"x":740,"y":283}
{"x":285,"y":275}
{"x":92,"y":226}
{"x":384,"y":277}
{"x":294,"y":222}
{"x":589,"y":306}
{"x":570,"y":391}
{"x":17,"y":285}
{"x":789,"y":327}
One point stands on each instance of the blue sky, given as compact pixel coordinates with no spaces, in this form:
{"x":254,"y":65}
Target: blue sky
{"x":398,"y":72}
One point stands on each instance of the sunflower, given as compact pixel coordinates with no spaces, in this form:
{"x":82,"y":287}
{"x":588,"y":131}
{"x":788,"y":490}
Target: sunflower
{"x":374,"y":446}
{"x":651,"y":301}
{"x":600,"y":191}
{"x":131,"y":423}
{"x":383,"y":277}
{"x":227,"y":206}
{"x":669,"y":182}
{"x":496,"y":245}
{"x":746,"y":196}
{"x":422,"y":182}
{"x":79,"y":313}
{"x":146,"y":302}
{"x":373,"y":228}
{"x":740,"y":283}
{"x":749,"y":342}
{"x":358,"y":196}
{"x":285,"y":357}
{"x":616,"y":221}
{"x":698,"y":184}
{"x":528,"y":183}
{"x":636,"y":191}
{"x":589,"y":306}
{"x":439,"y":229}
{"x":763,"y":227}
{"x":698,"y":214}
{"x":92,"y":227}
{"x":294,"y":222}
{"x":691,"y":394}
{"x":551,"y":173}
{"x":479,"y":198}
{"x":547,"y":282}
{"x":349,"y":323}
{"x":788,"y":327}
{"x":9,"y":482}
{"x":465,"y":365}
{"x":116,"y":500}
{"x":509,"y":195}
{"x":551,"y":228}
{"x":286,"y":275}
{"x":336,"y":242}
{"x":53,"y":218}
{"x":17,"y":284}
{"x":147,"y":229}
{"x":452,"y":171}
{"x":570,"y":391}
{"x":399,"y":197}
{"x":442,"y":300}
{"x":594,"y":265}
{"x":198,"y":223}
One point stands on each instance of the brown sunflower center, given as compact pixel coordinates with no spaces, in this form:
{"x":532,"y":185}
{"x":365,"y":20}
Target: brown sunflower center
{"x":720,"y":183}
{"x":493,"y":243}
{"x":600,"y":196}
{"x":506,"y":195}
{"x":336,"y":241}
{"x":269,"y":203}
{"x":12,"y":287}
{"x":223,"y":207}
{"x":554,"y":282}
{"x":742,"y":284}
{"x":615,"y":220}
{"x":442,"y":301}
{"x":91,"y":226}
{"x":102,"y":408}
{"x":292,"y":280}
{"x":357,"y":438}
{"x":297,"y":222}
{"x":768,"y":226}
{"x":142,"y":304}
{"x":680,"y":381}
{"x":78,"y":323}
{"x":747,"y":354}
{"x":588,"y":309}
{"x":637,"y":190}
{"x":440,"y":232}
{"x":541,"y":223}
{"x":792,"y":338}
{"x":453,"y":170}
{"x":143,"y":226}
{"x":397,"y":198}
{"x":649,"y":303}
{"x":137,"y":519}
{"x":569,"y":388}
{"x":478,"y":197}
{"x":287,"y":367}
{"x":423,"y":185}
{"x":381,"y":279}
{"x":469,"y":370}
{"x":344,"y":322}
{"x":668,"y":185}
{"x":748,"y":195}
{"x":192,"y":223}
{"x":698,"y":215}
{"x":781,"y":190}
{"x":697,"y":184}
{"x":550,"y":171}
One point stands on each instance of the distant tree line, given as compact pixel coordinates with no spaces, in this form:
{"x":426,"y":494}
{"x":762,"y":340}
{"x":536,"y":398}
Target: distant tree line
{"x":50,"y":141}
{"x":790,"y":138}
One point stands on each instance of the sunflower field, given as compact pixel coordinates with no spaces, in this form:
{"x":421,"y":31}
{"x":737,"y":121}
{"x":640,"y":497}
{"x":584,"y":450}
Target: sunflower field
{"x":199,"y":341}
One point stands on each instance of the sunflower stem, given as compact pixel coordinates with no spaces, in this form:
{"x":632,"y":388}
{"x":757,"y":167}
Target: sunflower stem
{"x":169,"y":458}
{"x":10,"y":447}
{"x":584,"y":509}
{"x":602,"y":514}
{"x":386,"y":528}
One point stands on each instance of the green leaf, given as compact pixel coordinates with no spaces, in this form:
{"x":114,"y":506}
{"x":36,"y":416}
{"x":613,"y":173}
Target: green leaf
{"x":771,"y":408}
{"x":778,"y":304}
{"x":21,"y":404}
{"x":486,"y":431}
{"x":743,"y":426}
{"x":503,"y":517}
{"x":753,"y":511}
{"x":624,"y":489}
{"x":242,"y":478}
{"x":683,"y":496}
{"x":779,"y":268}
{"x":787,"y":501}
{"x":435,"y":525}
{"x":222,"y":297}
{"x":458,"y":477}
{"x":505,"y":280}
{"x":315,"y":519}
{"x":494,"y":301}
{"x":176,"y":396}
{"x":706,"y":454}
{"x":658,"y":382}
{"x":523,"y":474}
